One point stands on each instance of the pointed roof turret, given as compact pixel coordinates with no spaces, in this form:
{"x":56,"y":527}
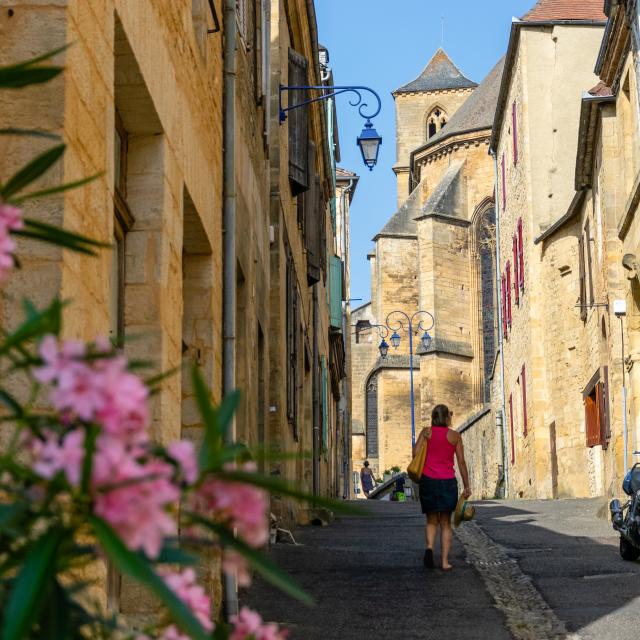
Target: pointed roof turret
{"x":439,"y":74}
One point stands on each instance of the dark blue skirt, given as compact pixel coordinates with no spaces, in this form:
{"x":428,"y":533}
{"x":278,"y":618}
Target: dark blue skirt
{"x":438,"y":495}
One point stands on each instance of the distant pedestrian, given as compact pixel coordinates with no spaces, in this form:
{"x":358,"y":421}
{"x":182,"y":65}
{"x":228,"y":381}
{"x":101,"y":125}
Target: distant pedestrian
{"x":399,"y":488}
{"x":366,"y":479}
{"x":438,"y":484}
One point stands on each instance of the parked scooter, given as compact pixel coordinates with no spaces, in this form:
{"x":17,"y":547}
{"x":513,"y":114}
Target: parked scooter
{"x":626,"y":517}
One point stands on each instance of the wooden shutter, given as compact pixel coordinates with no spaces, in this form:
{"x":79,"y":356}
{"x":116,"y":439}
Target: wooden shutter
{"x":583,"y":288}
{"x":504,"y":186}
{"x":516,"y":270}
{"x":514,"y":119}
{"x":503,"y":305}
{"x":298,"y":123}
{"x":523,"y":385}
{"x":335,"y":292}
{"x":587,"y":239}
{"x":605,"y":422}
{"x":513,"y":434}
{"x":312,"y":209}
{"x":591,"y":417}
{"x":508,"y":270}
{"x":521,"y":253}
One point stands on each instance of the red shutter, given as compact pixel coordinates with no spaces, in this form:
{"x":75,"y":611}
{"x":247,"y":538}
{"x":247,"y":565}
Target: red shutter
{"x":514,"y":118}
{"x":513,"y":435}
{"x":523,"y":384}
{"x":504,"y":186}
{"x":508,"y":269}
{"x":503,"y":291}
{"x":521,"y":253}
{"x":516,"y":270}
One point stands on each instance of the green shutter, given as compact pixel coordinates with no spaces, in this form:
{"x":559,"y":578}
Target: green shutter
{"x":335,"y":292}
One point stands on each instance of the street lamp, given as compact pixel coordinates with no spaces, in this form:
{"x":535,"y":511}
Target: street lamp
{"x":369,"y":140}
{"x":398,"y":324}
{"x":383,"y":348}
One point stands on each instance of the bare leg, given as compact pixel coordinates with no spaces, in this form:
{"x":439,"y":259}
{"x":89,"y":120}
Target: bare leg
{"x":445,"y":538}
{"x":432,"y":529}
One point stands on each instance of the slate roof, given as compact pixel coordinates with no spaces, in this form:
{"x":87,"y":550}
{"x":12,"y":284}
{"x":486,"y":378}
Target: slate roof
{"x":441,"y":202}
{"x":550,"y":10}
{"x":477,"y":112}
{"x":402,"y":223}
{"x":439,"y":74}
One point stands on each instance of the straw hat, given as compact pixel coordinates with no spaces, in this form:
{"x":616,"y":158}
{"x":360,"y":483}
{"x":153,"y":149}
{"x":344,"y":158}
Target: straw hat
{"x":464,"y":511}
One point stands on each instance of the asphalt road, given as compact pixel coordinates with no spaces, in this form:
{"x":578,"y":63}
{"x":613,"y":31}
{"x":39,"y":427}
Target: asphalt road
{"x":529,"y":570}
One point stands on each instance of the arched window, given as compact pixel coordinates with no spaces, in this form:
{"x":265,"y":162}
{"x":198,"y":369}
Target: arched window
{"x":436,"y":119}
{"x":486,"y":247}
{"x":372,"y":417}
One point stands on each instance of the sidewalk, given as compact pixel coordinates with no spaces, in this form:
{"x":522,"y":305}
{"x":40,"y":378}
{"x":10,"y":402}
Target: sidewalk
{"x":367,"y":576}
{"x":572,"y":558}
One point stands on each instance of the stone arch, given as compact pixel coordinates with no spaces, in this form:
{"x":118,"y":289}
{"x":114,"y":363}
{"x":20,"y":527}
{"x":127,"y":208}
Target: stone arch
{"x":482,"y":243}
{"x":435,"y":120}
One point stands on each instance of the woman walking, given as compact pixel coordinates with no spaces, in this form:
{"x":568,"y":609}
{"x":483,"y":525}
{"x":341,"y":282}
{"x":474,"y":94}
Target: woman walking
{"x":438,"y":484}
{"x":366,"y":479}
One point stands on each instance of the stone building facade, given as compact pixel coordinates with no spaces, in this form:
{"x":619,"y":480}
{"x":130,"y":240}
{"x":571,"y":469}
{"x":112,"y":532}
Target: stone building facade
{"x":549,"y":358}
{"x":433,"y":255}
{"x":141,"y":104}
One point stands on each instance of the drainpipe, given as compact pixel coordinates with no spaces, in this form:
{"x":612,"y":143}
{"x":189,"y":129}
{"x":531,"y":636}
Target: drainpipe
{"x":346,"y":423}
{"x":229,"y":255}
{"x":316,"y":398}
{"x":503,"y":430}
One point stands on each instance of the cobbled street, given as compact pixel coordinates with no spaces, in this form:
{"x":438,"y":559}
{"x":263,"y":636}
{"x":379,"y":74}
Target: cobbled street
{"x":525,"y":570}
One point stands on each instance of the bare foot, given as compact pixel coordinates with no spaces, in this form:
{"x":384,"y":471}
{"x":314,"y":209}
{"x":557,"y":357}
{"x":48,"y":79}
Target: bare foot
{"x":446,"y":566}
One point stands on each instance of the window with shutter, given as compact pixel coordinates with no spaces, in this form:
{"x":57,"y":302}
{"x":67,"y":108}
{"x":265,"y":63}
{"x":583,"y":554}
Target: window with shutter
{"x":523,"y":385}
{"x":605,"y":420}
{"x":311,"y":220}
{"x":516,"y":270}
{"x":508,"y":287}
{"x":520,"y":254}
{"x":512,"y":430}
{"x":298,"y":123}
{"x":335,"y":292}
{"x":514,"y":118}
{"x":583,"y":287}
{"x":589,"y":266}
{"x":596,"y":409}
{"x":504,"y":185}
{"x":292,"y":322}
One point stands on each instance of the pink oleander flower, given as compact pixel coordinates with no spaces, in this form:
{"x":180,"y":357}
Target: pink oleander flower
{"x":248,"y":624}
{"x":10,"y":220}
{"x":184,"y":453}
{"x":240,"y":506}
{"x":52,"y":456}
{"x":133,"y":496}
{"x":185,"y":586}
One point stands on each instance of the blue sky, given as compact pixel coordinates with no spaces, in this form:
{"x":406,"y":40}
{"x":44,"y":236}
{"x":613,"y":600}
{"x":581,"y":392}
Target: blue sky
{"x":383,"y":45}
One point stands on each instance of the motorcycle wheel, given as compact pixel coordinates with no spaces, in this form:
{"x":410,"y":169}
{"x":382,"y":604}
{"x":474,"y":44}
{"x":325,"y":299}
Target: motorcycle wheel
{"x":628,"y":551}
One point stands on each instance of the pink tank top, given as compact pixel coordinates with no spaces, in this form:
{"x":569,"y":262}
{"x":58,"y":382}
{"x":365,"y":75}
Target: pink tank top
{"x":440,"y":452}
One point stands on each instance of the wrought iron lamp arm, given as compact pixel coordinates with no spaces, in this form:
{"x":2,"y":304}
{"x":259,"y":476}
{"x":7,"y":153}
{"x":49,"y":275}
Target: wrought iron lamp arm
{"x":334,"y":91}
{"x":421,"y":326}
{"x":395,"y":325}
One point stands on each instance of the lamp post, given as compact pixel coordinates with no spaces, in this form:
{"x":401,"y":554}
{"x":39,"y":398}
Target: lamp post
{"x":369,"y":140}
{"x":401,"y":321}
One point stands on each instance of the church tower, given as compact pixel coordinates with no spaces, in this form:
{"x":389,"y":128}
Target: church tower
{"x":423,"y":107}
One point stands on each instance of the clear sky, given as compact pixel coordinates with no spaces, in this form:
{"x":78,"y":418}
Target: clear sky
{"x":384,"y":45}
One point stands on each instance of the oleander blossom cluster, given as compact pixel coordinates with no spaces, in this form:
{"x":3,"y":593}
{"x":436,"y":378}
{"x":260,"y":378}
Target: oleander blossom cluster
{"x":134,"y":483}
{"x":10,"y":220}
